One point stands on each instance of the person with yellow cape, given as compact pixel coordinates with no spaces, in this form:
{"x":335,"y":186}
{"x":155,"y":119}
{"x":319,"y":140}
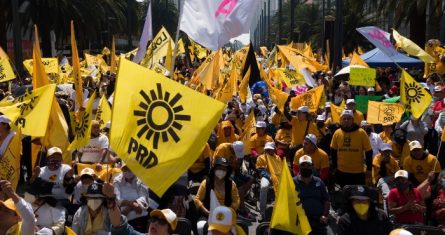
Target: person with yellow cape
{"x":10,"y":150}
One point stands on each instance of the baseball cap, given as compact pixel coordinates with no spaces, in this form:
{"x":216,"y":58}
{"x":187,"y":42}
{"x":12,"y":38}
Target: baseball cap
{"x":166,"y":214}
{"x":9,"y":204}
{"x":320,"y":117}
{"x":349,"y":101}
{"x":359,"y":192}
{"x":261,"y":124}
{"x":108,"y":125}
{"x":269,"y":145}
{"x":303,"y":109}
{"x":221,"y":219}
{"x":54,"y":150}
{"x":363,"y":123}
{"x":238,"y":148}
{"x":87,"y":171}
{"x":347,"y":112}
{"x":95,"y":191}
{"x":371,"y":89}
{"x":400,"y":231}
{"x":312,"y":138}
{"x":401,"y":173}
{"x":221,"y":161}
{"x":304,"y":159}
{"x":4,"y":119}
{"x":414,"y":145}
{"x":327,"y":105}
{"x":385,"y":147}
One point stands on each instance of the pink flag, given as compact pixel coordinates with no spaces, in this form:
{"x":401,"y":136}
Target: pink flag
{"x":378,"y":38}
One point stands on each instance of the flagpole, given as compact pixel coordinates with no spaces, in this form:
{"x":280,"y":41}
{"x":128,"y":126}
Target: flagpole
{"x":175,"y":51}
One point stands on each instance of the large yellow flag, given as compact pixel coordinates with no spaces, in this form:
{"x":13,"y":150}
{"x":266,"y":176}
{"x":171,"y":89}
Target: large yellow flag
{"x":159,"y":127}
{"x":57,"y":132}
{"x":82,"y":130}
{"x":209,"y":71}
{"x":244,"y":86}
{"x":6,"y":72}
{"x":10,"y":160}
{"x":357,"y":60}
{"x":113,"y":56}
{"x":413,"y":96}
{"x":310,"y":98}
{"x":248,"y":130}
{"x":157,"y":48}
{"x":103,"y":113}
{"x":291,"y":78}
{"x":384,"y":112}
{"x":39,"y":76}
{"x":77,"y":76}
{"x":288,"y":213}
{"x":30,"y":111}
{"x":278,"y":97}
{"x":51,"y":65}
{"x":411,"y":48}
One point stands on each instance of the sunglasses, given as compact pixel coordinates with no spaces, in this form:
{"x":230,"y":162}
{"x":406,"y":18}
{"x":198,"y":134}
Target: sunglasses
{"x":159,"y":220}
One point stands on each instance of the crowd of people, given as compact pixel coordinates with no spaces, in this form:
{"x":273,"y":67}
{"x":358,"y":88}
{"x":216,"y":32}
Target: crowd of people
{"x":387,"y":175}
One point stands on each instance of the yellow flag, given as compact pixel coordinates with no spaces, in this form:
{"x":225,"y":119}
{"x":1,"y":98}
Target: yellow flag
{"x":384,"y":112}
{"x":168,"y":57}
{"x":113,"y":56}
{"x":3,"y":54}
{"x":244,"y":86}
{"x":209,"y":71}
{"x":103,"y":113}
{"x":278,"y":97}
{"x":181,"y":48}
{"x":157,"y":48}
{"x":77,"y":76}
{"x":92,"y":60}
{"x":336,"y":112}
{"x":412,"y":94}
{"x":264,"y":51}
{"x":69,"y":231}
{"x":51,"y":65}
{"x":291,"y":78}
{"x":6,"y":72}
{"x":288,"y":213}
{"x":82,"y":130}
{"x":10,"y":160}
{"x":30,"y":111}
{"x":310,"y":98}
{"x":39,"y":76}
{"x":411,"y":48}
{"x":159,"y":69}
{"x":159,"y":127}
{"x":57,"y":132}
{"x":248,"y":130}
{"x":357,"y":60}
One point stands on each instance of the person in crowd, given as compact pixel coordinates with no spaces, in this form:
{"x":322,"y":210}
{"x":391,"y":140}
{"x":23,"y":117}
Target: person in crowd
{"x":49,"y":216}
{"x":229,"y":151}
{"x":415,"y":129}
{"x":223,"y":187}
{"x":226,"y":133}
{"x":358,"y":116}
{"x":269,"y":166}
{"x":323,"y":133}
{"x":92,"y":217}
{"x":222,"y":221}
{"x":313,"y":195}
{"x":385,"y":135}
{"x":87,"y":177}
{"x":437,"y":196}
{"x":319,"y":158}
{"x":405,"y":202}
{"x":301,"y":126}
{"x":419,"y":163}
{"x":132,"y":196}
{"x":399,"y":145}
{"x":16,"y":215}
{"x":96,"y":151}
{"x":362,"y":215}
{"x":257,"y":141}
{"x":384,"y":166}
{"x":374,"y":138}
{"x":348,"y":146}
{"x":439,"y":104}
{"x":200,"y":168}
{"x":8,"y":152}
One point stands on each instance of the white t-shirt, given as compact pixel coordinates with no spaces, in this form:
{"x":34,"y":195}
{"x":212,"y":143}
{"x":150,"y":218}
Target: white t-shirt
{"x":376,"y":142}
{"x":91,"y":152}
{"x":56,"y":177}
{"x":48,"y":216}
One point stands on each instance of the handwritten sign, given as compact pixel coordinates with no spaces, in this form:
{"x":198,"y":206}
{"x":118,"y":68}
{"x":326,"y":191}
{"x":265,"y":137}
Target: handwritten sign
{"x":362,"y":77}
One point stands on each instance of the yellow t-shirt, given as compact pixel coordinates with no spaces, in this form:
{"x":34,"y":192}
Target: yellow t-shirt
{"x":273,"y":165}
{"x":200,"y":196}
{"x":226,"y":139}
{"x":358,"y":117}
{"x":319,"y":157}
{"x":299,"y":128}
{"x":258,"y":142}
{"x":400,"y":153}
{"x":385,"y":138}
{"x":284,"y":135}
{"x":225,"y":150}
{"x":199,"y":164}
{"x":391,"y":167}
{"x":350,"y":147}
{"x":421,"y":168}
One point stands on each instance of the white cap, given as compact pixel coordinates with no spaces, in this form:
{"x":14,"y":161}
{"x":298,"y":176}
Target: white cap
{"x":269,"y":145}
{"x":108,"y":125}
{"x":87,"y":171}
{"x":347,"y":112}
{"x":221,"y":219}
{"x":320,"y":117}
{"x":385,"y":147}
{"x":312,"y":138}
{"x":414,"y":145}
{"x":53,"y":150}
{"x":371,"y":89}
{"x":304,"y":159}
{"x":400,"y":231}
{"x":261,"y":124}
{"x":168,"y":215}
{"x":401,"y":173}
{"x":303,"y":109}
{"x":238,"y":148}
{"x":4,"y":119}
{"x":363,"y":123}
{"x":327,"y":105}
{"x":437,"y":88}
{"x":349,"y":101}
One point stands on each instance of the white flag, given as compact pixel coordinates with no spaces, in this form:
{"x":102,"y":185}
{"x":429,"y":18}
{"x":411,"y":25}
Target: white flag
{"x":147,"y":35}
{"x":212,"y":23}
{"x":378,"y":38}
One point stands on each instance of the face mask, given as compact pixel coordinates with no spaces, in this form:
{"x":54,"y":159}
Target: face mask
{"x":93,"y":204}
{"x":361,"y":208}
{"x":128,"y":175}
{"x":305,"y":172}
{"x":220,"y":174}
{"x":402,"y":186}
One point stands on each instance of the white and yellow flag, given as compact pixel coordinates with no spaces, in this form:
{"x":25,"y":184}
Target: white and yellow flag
{"x":384,"y":112}
{"x":82,"y":130}
{"x":412,"y":94}
{"x":157,"y":126}
{"x":6,"y":72}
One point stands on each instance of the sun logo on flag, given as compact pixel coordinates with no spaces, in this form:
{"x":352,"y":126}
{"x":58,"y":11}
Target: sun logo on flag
{"x":160,"y":116}
{"x":413,"y":92}
{"x":82,"y":126}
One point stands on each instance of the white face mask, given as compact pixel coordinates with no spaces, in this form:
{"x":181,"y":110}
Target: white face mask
{"x":93,"y":204}
{"x":220,"y":174}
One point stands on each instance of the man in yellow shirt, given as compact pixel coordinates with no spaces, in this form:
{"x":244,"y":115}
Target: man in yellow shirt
{"x":420,"y":163}
{"x":348,"y":145}
{"x":259,"y":139}
{"x":226,"y":133}
{"x":358,"y":116}
{"x":269,"y":166}
{"x":320,"y":159}
{"x":301,"y":126}
{"x":384,"y":166}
